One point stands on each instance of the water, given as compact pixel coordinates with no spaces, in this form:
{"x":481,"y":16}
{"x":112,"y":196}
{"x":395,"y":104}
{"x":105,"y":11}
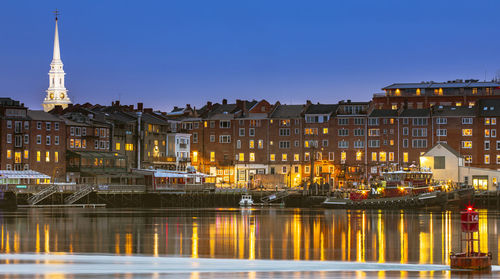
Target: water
{"x":234,"y":243}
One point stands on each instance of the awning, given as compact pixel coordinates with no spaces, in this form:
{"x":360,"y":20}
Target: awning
{"x":28,"y":174}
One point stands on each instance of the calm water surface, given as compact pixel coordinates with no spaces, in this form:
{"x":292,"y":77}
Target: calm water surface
{"x":234,"y":243}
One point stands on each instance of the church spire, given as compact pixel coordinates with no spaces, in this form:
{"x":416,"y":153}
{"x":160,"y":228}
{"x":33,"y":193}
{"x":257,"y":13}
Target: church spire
{"x":56,"y":93}
{"x":57,"y":52}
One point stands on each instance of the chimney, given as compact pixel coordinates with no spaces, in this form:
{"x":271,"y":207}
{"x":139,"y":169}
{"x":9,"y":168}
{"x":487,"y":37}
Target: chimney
{"x":117,"y":103}
{"x":188,"y":106}
{"x":140,"y":106}
{"x":224,"y":101}
{"x":308,"y":102}
{"x":148,"y":110}
{"x":209,"y":105}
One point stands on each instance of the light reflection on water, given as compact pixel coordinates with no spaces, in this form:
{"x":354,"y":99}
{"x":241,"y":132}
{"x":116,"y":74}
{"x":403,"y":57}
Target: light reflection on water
{"x":362,"y":237}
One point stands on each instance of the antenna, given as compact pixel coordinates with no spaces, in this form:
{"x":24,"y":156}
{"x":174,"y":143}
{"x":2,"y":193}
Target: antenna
{"x":56,"y":13}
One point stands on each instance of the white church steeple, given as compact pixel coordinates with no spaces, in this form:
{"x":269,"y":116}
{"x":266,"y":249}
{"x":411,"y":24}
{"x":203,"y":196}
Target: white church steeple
{"x":56,"y":93}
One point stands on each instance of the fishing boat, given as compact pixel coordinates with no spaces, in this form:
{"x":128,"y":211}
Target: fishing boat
{"x":407,"y":188}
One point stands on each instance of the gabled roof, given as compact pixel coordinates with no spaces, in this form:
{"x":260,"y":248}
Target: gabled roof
{"x":42,"y":115}
{"x":321,"y":109}
{"x":452,"y":84}
{"x":453,"y":111}
{"x":383,"y":113}
{"x":288,"y":111}
{"x":415,"y":113}
{"x":446,"y":146}
{"x":488,"y":107}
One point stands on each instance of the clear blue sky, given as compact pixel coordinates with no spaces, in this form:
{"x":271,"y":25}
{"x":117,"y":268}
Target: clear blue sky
{"x":167,"y":53}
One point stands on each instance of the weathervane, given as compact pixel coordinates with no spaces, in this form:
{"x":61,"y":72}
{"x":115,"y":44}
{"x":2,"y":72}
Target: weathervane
{"x":56,"y":13}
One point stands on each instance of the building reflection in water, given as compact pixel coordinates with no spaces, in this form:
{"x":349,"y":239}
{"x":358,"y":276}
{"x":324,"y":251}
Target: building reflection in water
{"x":362,"y":236}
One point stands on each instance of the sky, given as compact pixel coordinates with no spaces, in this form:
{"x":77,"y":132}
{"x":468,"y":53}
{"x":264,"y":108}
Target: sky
{"x":170,"y":53}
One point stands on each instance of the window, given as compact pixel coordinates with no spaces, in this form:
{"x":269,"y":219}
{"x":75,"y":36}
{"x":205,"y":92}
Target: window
{"x":26,"y":139}
{"x":260,"y":144}
{"x":9,"y":124}
{"x":486,"y":133}
{"x":284,"y":131}
{"x":117,"y":146}
{"x":47,"y":156}
{"x":372,"y":121}
{"x":196,"y":125}
{"x":311,"y":131}
{"x":343,"y":132}
{"x":468,"y":159}
{"x":272,"y":157}
{"x":359,"y":144}
{"x":224,"y":124}
{"x":419,"y":121}
{"x":9,"y":138}
{"x":441,"y":120}
{"x":39,"y":125}
{"x":241,"y":157}
{"x":284,"y":144}
{"x":486,"y":145}
{"x":359,"y":155}
{"x":296,"y":143}
{"x":307,"y":169}
{"x":419,"y":143}
{"x":374,"y":143}
{"x":212,"y":138}
{"x":297,"y":131}
{"x":296,"y":158}
{"x":284,"y":169}
{"x":493,"y":133}
{"x":47,"y":140}
{"x":391,"y":156}
{"x":467,"y":120}
{"x":359,"y":132}
{"x":382,"y":156}
{"x":466,"y":144}
{"x":251,"y":144}
{"x":38,"y":139}
{"x":284,"y":157}
{"x":419,"y":132}
{"x":373,"y":132}
{"x":439,"y":162}
{"x":486,"y":158}
{"x":27,"y":125}
{"x":466,"y":132}
{"x":493,"y":121}
{"x":241,"y":132}
{"x":238,"y":144}
{"x":359,"y":121}
{"x":251,"y":132}
{"x":487,"y":121}
{"x":325,"y":131}
{"x":212,"y":124}
{"x":343,"y":157}
{"x":9,"y":154}
{"x":441,"y":132}
{"x":343,"y":144}
{"x":306,"y":156}
{"x":212,"y":156}
{"x":47,"y":126}
{"x":374,"y":156}
{"x":498,"y":159}
{"x":195,"y":137}
{"x":56,"y":157}
{"x":224,"y":139}
{"x":343,"y":121}
{"x":405,"y":143}
{"x":285,"y":123}
{"x":325,"y":143}
{"x":405,"y":157}
{"x":330,"y":156}
{"x":129,"y":147}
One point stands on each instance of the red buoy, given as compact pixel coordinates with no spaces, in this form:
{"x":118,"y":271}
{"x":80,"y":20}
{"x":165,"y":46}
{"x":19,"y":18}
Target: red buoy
{"x":470,"y":259}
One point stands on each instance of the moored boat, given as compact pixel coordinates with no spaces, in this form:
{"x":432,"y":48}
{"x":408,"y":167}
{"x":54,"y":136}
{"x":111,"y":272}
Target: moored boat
{"x":246,"y":201}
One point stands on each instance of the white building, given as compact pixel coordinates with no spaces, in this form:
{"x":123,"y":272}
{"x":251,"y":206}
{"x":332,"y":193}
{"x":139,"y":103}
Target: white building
{"x":57,"y":94}
{"x":446,"y":164}
{"x":178,"y":147}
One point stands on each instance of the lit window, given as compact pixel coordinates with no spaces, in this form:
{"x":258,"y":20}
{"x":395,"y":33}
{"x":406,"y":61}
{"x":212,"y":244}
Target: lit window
{"x":252,"y":144}
{"x":487,"y":159}
{"x":9,"y":154}
{"x":272,"y":157}
{"x":391,"y":156}
{"x":343,"y":156}
{"x":117,"y":146}
{"x":252,"y":157}
{"x":374,"y":156}
{"x":382,"y":156}
{"x":47,"y":156}
{"x":418,"y":91}
{"x":405,"y":157}
{"x":284,"y":157}
{"x":38,"y":155}
{"x":26,"y":154}
{"x":296,"y":157}
{"x":467,"y":144}
{"x":241,"y":157}
{"x":56,"y":156}
{"x":212,"y":156}
{"x":391,"y":142}
{"x":195,"y":156}
{"x":466,"y":132}
{"x":359,"y":156}
{"x":325,"y":131}
{"x":474,"y":90}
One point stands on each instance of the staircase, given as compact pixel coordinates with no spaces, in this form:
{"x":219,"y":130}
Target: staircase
{"x":274,"y":197}
{"x":79,"y":194}
{"x":43,"y":194}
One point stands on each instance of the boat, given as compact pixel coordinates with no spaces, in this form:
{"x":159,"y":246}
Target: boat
{"x":407,"y":188}
{"x":246,"y":200}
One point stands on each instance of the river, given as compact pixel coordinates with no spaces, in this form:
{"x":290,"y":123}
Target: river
{"x":234,"y":243}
